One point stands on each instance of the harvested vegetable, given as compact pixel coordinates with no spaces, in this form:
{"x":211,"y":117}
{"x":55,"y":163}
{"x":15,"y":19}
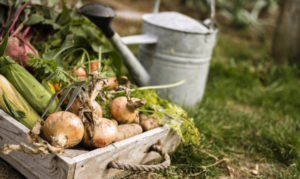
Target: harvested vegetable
{"x":18,"y":50}
{"x":63,"y":129}
{"x":148,"y":123}
{"x":136,"y":120}
{"x":94,"y":65}
{"x":126,"y":131}
{"x":124,"y":110}
{"x":75,"y":107}
{"x":33,"y":91}
{"x":112,"y":83}
{"x":72,"y":41}
{"x":99,"y":133}
{"x":80,"y":73}
{"x":18,"y":45}
{"x":15,"y":105}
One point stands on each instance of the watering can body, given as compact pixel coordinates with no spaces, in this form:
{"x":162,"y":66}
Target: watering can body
{"x":175,"y":48}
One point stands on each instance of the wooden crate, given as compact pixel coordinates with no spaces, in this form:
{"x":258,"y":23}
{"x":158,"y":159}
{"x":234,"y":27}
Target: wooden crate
{"x":82,"y":164}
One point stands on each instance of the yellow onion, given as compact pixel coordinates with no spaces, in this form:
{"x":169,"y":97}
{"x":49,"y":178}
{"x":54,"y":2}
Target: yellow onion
{"x":99,"y":133}
{"x":112,"y":83}
{"x":63,"y":129}
{"x":124,"y":110}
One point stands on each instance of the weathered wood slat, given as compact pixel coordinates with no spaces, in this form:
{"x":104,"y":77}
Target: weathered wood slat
{"x":31,"y":166}
{"x":133,"y":150}
{"x":80,"y":163}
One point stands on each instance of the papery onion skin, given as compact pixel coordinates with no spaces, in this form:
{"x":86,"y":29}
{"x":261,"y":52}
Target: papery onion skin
{"x":112,"y":83}
{"x":80,"y":73}
{"x":121,"y":112}
{"x":104,"y":132}
{"x":94,"y":66}
{"x":63,"y":129}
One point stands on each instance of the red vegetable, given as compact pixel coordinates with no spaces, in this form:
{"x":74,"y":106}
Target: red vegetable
{"x":18,"y":49}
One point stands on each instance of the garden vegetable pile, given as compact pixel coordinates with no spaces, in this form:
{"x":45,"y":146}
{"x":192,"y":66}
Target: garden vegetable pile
{"x":59,"y":74}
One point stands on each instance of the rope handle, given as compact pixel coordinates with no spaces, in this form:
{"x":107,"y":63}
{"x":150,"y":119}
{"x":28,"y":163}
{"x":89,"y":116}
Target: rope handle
{"x":148,"y":168}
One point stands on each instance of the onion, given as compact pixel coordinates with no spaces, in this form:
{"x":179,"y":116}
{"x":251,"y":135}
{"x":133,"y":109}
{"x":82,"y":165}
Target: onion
{"x":124,"y":110}
{"x":80,"y":73}
{"x":99,"y":133}
{"x":94,"y":66}
{"x":63,"y":129}
{"x":112,"y":83}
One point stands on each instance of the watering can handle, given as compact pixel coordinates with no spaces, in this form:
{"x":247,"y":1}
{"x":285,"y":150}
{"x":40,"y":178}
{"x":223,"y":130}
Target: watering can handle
{"x":212,"y":13}
{"x":156,"y":6}
{"x":139,"y":39}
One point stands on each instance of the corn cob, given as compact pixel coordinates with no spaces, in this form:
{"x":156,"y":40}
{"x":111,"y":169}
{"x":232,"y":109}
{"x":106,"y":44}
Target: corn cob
{"x":15,"y":105}
{"x":33,"y":91}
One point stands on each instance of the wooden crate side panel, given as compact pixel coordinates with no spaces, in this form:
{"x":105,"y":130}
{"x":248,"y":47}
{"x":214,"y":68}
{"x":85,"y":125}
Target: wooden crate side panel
{"x":32,"y":166}
{"x":133,"y":150}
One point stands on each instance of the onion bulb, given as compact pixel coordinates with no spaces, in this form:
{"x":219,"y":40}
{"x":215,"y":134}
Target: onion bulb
{"x":94,"y":65}
{"x":124,"y":110}
{"x":99,"y":133}
{"x":112,"y":83}
{"x":63,"y":129}
{"x":80,"y":73}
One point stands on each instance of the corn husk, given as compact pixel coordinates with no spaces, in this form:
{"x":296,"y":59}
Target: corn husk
{"x":15,"y":105}
{"x":32,"y":90}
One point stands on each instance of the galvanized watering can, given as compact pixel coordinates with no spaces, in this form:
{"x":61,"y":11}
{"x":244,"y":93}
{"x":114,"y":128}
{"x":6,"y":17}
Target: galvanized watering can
{"x":173,"y":47}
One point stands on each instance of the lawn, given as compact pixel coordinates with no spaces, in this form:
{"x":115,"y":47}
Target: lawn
{"x":249,"y":117}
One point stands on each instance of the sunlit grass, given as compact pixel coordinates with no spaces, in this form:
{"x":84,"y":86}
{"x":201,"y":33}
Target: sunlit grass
{"x":249,"y":119}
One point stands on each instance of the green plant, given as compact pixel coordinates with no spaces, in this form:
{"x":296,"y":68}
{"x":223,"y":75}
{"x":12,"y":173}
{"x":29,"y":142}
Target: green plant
{"x":240,"y":13}
{"x":248,"y":120}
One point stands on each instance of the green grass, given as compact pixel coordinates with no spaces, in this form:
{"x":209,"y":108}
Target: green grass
{"x":249,"y":119}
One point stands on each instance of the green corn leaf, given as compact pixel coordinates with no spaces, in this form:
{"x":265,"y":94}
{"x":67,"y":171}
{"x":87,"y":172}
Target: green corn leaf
{"x":4,"y":44}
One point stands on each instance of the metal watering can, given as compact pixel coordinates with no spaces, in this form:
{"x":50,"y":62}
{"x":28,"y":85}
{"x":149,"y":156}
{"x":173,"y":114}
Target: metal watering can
{"x":173,"y":47}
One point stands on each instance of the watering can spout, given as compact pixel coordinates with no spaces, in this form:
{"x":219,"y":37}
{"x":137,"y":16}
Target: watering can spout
{"x":102,"y":16}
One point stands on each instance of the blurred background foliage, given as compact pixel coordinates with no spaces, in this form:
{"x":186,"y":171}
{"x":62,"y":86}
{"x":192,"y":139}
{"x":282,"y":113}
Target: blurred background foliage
{"x":239,"y":13}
